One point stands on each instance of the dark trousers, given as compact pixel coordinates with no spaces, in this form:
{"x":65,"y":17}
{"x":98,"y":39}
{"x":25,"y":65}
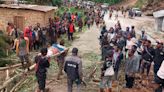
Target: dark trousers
{"x":129,"y":81}
{"x":146,"y":65}
{"x":70,"y":36}
{"x":36,"y":45}
{"x":41,"y":78}
{"x":70,"y":85}
{"x":88,"y":26}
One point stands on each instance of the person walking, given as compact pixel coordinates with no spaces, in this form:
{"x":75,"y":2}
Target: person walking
{"x":22,"y":51}
{"x":42,"y":63}
{"x":60,"y":61}
{"x":73,"y":69}
{"x":71,"y":30}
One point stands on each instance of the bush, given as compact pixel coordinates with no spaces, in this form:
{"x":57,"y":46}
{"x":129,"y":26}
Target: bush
{"x":4,"y":44}
{"x":3,"y":63}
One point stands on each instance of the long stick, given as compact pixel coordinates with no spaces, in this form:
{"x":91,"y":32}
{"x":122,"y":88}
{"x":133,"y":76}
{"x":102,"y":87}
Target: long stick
{"x":10,"y":67}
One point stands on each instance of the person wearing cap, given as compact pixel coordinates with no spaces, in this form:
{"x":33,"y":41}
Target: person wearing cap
{"x":158,"y":56}
{"x":42,"y":63}
{"x":73,"y":69}
{"x":106,"y":81}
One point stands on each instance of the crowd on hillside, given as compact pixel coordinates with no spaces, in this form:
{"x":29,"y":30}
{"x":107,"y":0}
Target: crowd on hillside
{"x":138,"y":54}
{"x":117,"y":47}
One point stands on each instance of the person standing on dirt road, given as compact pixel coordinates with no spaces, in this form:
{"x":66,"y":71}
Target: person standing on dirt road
{"x":73,"y":69}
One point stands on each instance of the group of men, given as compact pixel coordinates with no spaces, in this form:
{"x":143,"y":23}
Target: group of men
{"x":138,"y":54}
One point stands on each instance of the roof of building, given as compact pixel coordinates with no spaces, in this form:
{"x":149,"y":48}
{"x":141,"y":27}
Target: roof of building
{"x":158,"y":14}
{"x":29,"y":7}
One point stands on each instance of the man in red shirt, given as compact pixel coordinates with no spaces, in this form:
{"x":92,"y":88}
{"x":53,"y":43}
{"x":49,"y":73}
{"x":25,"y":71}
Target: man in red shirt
{"x":71,"y":30}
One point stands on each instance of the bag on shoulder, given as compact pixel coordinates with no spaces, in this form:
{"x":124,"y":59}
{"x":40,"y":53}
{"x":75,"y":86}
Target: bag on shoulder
{"x":109,"y":71}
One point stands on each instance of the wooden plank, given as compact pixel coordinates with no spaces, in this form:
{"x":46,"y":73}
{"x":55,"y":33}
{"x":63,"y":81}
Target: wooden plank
{"x":10,"y":67}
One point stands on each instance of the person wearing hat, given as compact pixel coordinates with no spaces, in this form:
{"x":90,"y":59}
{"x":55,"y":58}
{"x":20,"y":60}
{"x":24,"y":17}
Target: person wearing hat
{"x":42,"y":63}
{"x":158,"y":56}
{"x":73,"y":69}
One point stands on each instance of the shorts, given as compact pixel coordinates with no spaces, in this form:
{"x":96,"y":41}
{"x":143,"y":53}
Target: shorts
{"x":106,"y":82}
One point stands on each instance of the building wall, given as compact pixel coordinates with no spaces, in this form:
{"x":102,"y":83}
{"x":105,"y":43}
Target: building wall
{"x":48,"y":15}
{"x":30,"y":17}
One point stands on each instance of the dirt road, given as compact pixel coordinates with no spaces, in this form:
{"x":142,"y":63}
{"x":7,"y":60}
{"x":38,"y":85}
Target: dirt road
{"x":88,"y":45}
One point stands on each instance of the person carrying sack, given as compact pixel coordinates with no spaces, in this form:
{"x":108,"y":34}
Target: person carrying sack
{"x":107,"y":73}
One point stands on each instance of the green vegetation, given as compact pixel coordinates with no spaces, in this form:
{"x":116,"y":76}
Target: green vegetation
{"x":4,"y":43}
{"x":140,"y":3}
{"x":110,"y":2}
{"x":56,"y":2}
{"x":45,"y":2}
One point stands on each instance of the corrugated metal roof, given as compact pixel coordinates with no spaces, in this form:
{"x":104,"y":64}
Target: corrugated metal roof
{"x":29,"y":7}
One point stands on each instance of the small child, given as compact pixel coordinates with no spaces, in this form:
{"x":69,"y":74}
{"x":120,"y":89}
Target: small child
{"x":42,"y":63}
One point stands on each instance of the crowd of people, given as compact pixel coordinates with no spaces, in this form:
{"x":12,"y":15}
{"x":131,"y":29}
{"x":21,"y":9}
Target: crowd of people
{"x":117,"y":47}
{"x":138,"y":54}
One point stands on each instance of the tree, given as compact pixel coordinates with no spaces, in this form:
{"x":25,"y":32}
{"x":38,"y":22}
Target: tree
{"x":56,"y":2}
